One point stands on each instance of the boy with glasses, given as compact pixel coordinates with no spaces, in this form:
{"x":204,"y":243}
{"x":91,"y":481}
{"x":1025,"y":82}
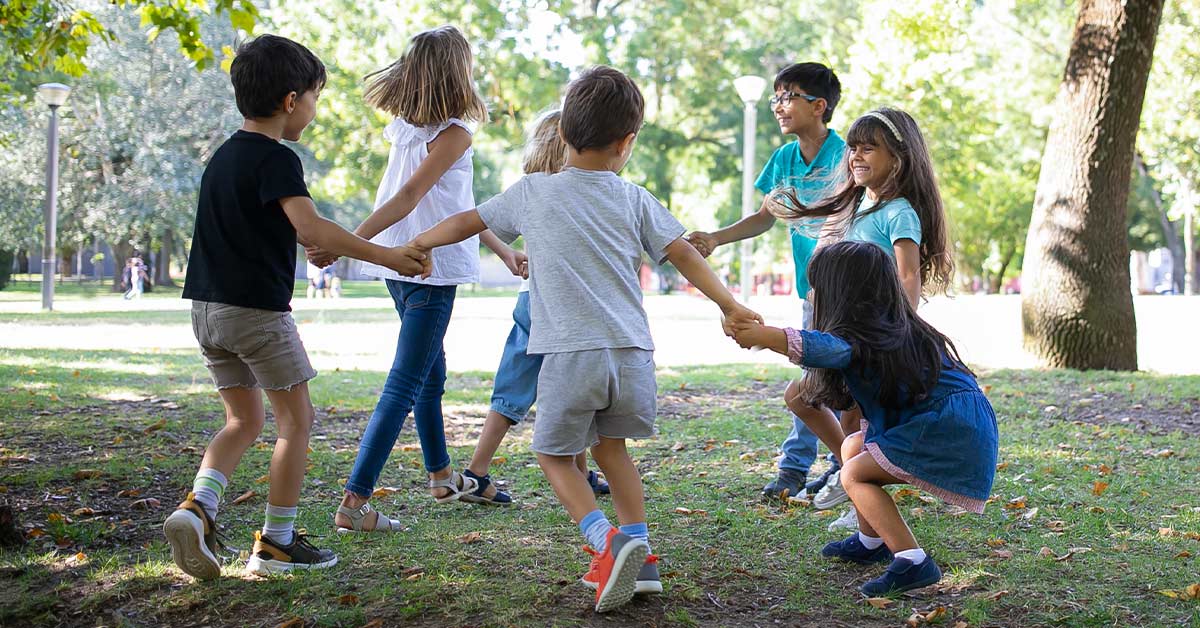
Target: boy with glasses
{"x":806,"y":95}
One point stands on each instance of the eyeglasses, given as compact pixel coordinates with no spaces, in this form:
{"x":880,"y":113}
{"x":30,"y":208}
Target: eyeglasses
{"x":786,"y":98}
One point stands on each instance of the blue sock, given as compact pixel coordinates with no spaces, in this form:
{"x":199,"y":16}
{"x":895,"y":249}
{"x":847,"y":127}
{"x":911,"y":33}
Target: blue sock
{"x":637,"y":531}
{"x":595,"y":527}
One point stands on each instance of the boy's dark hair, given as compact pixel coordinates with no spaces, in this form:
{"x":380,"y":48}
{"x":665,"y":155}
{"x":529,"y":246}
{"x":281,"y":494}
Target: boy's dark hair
{"x":602,"y":106}
{"x":816,"y":80}
{"x":267,"y":68}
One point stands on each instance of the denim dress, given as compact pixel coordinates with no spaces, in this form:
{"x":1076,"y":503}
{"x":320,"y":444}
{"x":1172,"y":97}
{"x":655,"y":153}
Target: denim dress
{"x":946,"y":444}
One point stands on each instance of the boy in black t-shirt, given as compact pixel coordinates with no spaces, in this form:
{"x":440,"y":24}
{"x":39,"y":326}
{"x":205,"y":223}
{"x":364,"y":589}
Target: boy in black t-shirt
{"x":253,"y":208}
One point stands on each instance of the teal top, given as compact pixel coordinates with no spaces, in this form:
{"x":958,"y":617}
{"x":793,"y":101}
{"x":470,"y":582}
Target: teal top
{"x":812,"y":181}
{"x":896,"y":220}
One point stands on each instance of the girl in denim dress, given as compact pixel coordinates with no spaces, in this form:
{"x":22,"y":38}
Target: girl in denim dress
{"x":925,"y":420}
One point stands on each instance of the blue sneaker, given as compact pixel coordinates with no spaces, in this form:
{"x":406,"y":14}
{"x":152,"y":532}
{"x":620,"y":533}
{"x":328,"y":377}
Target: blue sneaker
{"x":599,"y":487}
{"x":902,"y":575}
{"x":851,"y":549}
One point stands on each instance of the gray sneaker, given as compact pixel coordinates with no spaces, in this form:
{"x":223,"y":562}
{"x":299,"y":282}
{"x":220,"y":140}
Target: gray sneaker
{"x":831,"y":494}
{"x":848,"y":520}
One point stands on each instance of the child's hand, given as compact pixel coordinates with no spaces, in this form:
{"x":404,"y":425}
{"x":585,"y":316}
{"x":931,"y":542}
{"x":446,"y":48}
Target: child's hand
{"x":738,"y":314}
{"x":426,"y":260}
{"x":704,"y":243}
{"x":319,"y":256}
{"x":516,"y":262}
{"x":409,"y":261}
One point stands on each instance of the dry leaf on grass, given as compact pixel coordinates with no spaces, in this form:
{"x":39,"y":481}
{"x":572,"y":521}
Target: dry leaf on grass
{"x":470,"y":537}
{"x":1184,"y":554}
{"x":689,"y":512}
{"x":1002,"y":554}
{"x":1016,"y":503}
{"x":935,"y":614}
{"x":87,"y":474}
{"x":374,"y":623}
{"x":880,"y":602}
{"x":678,"y":446}
{"x":1098,"y":488}
{"x":148,"y":503}
{"x":130,"y":492}
{"x":158,"y":425}
{"x":348,"y":599}
{"x":243,"y":497}
{"x":1030,"y":514}
{"x":294,"y":622}
{"x":84,"y":512}
{"x":384,"y":491}
{"x":997,"y":595}
{"x":996,"y":542}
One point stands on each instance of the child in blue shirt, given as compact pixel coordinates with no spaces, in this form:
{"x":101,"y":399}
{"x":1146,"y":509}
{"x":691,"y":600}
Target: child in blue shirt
{"x":926,"y":422}
{"x":805,"y":97}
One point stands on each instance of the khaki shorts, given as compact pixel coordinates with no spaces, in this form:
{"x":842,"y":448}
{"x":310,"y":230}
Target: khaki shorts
{"x":250,"y":348}
{"x":583,"y":395}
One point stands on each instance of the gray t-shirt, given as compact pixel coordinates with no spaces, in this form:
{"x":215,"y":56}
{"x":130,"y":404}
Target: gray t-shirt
{"x":585,"y":231}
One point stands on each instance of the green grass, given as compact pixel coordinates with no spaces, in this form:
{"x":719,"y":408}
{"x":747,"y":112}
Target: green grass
{"x":139,"y":422}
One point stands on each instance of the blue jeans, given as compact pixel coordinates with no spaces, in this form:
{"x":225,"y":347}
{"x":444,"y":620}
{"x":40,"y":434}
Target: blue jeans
{"x":800,"y":447}
{"x":414,"y":384}
{"x":517,"y":377}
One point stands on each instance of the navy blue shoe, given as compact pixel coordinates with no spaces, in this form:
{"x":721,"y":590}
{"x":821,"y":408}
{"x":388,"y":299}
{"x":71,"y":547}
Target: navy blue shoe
{"x":902,"y":575}
{"x":477,"y":496}
{"x":599,"y":487}
{"x":851,"y":549}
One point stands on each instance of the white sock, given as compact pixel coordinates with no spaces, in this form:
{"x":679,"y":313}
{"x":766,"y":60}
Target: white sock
{"x":280,"y":524}
{"x":870,"y":542}
{"x":595,"y":527}
{"x":207,"y":489}
{"x":917,"y":556}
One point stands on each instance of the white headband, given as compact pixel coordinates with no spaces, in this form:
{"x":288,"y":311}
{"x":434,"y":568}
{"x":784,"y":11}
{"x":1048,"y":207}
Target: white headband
{"x":888,"y":123}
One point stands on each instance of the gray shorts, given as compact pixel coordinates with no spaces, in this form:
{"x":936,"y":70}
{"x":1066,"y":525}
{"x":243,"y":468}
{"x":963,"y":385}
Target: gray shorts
{"x":583,"y":395}
{"x":250,"y":348}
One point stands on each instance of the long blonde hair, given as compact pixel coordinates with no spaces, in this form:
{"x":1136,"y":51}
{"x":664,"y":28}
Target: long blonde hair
{"x":545,"y":150}
{"x":431,"y":82}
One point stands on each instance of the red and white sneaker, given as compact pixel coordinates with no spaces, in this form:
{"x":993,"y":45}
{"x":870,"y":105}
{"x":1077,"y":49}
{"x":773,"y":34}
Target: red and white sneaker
{"x":647,"y":581}
{"x":614,"y":572}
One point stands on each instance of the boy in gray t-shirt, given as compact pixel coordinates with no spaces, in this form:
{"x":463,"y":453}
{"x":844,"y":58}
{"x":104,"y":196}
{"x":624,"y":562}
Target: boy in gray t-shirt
{"x":585,"y":230}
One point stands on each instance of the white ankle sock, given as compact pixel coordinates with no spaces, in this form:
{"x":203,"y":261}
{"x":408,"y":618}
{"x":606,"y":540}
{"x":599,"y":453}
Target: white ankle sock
{"x":917,"y":556}
{"x":280,"y":524}
{"x":207,"y":489}
{"x":870,"y":542}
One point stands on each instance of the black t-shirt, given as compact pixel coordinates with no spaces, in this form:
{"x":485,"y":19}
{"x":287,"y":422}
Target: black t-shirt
{"x":244,"y":247}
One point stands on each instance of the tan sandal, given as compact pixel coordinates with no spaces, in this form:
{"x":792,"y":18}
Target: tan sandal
{"x":458,"y":485}
{"x":358,"y":515}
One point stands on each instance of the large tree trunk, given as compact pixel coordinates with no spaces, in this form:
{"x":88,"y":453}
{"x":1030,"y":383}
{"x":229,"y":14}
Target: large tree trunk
{"x":1077,"y":310}
{"x":121,"y":250}
{"x":162,"y":260}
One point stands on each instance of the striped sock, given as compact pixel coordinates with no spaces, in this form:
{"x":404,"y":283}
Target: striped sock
{"x":637,"y":530}
{"x":595,"y":527}
{"x":280,"y":524}
{"x":207,"y":490}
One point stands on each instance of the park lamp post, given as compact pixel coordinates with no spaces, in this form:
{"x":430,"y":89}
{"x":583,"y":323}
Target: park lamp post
{"x":54,"y":95}
{"x":749,"y":89}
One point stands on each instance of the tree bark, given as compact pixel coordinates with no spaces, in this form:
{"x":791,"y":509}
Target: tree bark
{"x":1077,"y":308}
{"x":162,"y":260}
{"x":121,"y":250}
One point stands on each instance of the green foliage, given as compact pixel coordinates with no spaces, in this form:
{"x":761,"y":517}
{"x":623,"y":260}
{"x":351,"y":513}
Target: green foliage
{"x":56,"y":35}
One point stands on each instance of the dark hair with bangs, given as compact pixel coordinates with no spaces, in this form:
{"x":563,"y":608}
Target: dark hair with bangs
{"x":268,"y":68}
{"x":911,"y":178}
{"x":816,"y":80}
{"x":857,"y":296}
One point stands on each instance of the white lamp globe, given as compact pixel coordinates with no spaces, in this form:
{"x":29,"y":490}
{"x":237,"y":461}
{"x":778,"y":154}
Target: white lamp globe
{"x":53,"y":94}
{"x":749,"y":88}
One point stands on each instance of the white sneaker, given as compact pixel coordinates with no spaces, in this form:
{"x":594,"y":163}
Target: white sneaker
{"x":831,"y":494}
{"x":848,"y":520}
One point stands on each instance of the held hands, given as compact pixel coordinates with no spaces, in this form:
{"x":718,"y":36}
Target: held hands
{"x":704,"y":243}
{"x":409,"y":261}
{"x":319,"y":256}
{"x":751,"y":335}
{"x":517,"y":263}
{"x":426,"y":259}
{"x":738,"y":315}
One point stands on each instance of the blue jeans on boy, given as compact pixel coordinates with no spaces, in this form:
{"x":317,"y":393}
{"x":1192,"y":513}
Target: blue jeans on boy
{"x":517,"y":377}
{"x":414,"y":384}
{"x":800,"y":447}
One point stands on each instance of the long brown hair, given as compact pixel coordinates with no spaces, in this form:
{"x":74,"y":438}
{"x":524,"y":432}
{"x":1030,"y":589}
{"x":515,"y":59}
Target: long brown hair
{"x":431,"y":82}
{"x":911,"y":178}
{"x":858,"y":297}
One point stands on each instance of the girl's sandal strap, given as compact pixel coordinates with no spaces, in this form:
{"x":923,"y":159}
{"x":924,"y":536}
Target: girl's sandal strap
{"x":458,"y":485}
{"x":358,"y":515}
{"x":478,"y":496}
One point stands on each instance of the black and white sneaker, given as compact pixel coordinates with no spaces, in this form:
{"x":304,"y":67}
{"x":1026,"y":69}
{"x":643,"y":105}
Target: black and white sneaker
{"x":269,"y":557}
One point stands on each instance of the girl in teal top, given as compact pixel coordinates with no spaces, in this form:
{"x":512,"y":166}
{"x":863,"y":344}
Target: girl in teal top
{"x":927,"y":423}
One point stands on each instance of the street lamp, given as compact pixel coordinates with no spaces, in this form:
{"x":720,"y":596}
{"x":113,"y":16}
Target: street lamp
{"x":54,"y":95}
{"x":749,"y":89}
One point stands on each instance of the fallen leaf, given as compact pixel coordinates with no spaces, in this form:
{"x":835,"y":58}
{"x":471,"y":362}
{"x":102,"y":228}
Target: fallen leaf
{"x":1193,"y":591}
{"x":997,"y":595}
{"x":410,"y":448}
{"x":77,"y":559}
{"x":997,"y":542}
{"x":83,"y":512}
{"x":1165,"y":453}
{"x":880,"y":602}
{"x":384,"y":491}
{"x":158,"y":425}
{"x":413,"y":570}
{"x":914,"y":620}
{"x":1030,"y":514}
{"x":1002,"y":466}
{"x":130,"y":492}
{"x":55,"y":517}
{"x":1184,"y":554}
{"x":264,"y":479}
{"x":1016,"y":503}
{"x":146,"y":504}
{"x":243,"y":497}
{"x":678,"y":446}
{"x":499,"y":460}
{"x":961,"y":624}
{"x":1045,"y":552}
{"x":1002,"y":554}
{"x":469,"y":538}
{"x":935,"y":615}
{"x":1105,"y":469}
{"x":1098,"y":488}
{"x":294,"y":622}
{"x":348,"y":599}
{"x":87,"y":474}
{"x":118,"y":439}
{"x":35,"y":533}
{"x":374,"y":623}
{"x":904,"y":492}
{"x":416,"y":576}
